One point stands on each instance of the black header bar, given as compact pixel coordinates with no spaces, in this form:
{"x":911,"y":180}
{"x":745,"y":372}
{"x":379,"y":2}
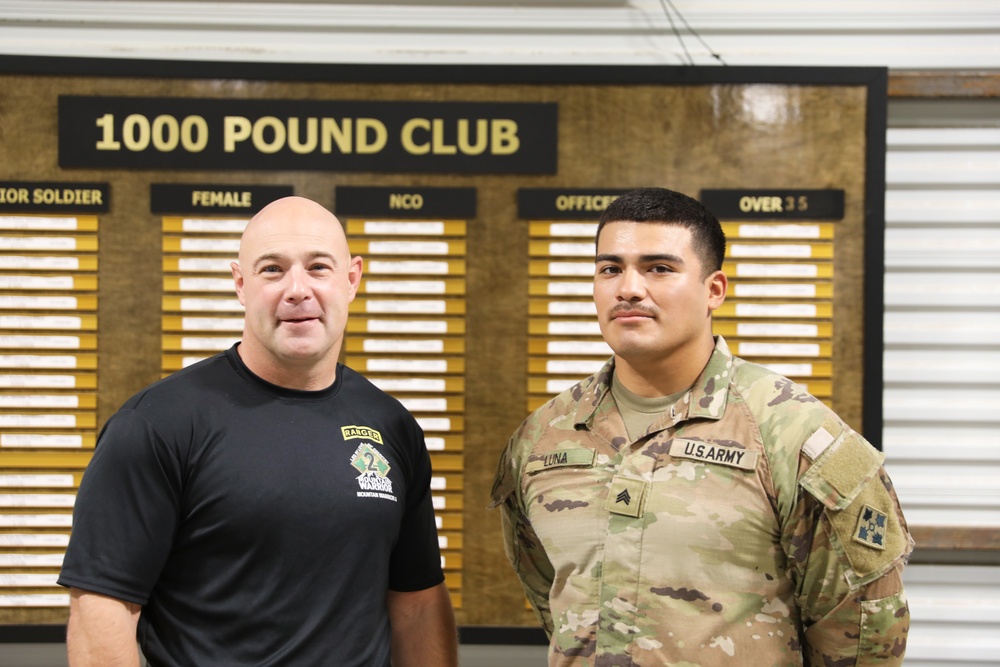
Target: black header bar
{"x":564,"y":203}
{"x":40,"y":197}
{"x":406,"y":202}
{"x":314,"y":135}
{"x":200,"y":198}
{"x":775,"y":204}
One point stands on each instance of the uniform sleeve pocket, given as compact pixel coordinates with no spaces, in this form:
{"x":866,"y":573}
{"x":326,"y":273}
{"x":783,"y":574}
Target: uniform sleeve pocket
{"x":884,"y":626}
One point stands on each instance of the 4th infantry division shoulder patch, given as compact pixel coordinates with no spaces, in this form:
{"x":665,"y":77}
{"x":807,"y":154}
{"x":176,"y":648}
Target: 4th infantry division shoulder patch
{"x":871,"y":527}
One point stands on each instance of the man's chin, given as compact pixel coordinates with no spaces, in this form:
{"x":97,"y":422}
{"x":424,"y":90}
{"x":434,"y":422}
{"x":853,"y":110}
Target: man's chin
{"x":637,"y":355}
{"x":303,"y":352}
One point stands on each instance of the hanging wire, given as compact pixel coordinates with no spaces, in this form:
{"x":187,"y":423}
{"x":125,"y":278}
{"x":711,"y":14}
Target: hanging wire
{"x":668,"y":7}
{"x":677,"y":33}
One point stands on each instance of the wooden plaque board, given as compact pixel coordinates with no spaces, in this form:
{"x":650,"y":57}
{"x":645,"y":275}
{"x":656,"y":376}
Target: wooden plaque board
{"x":689,"y":129}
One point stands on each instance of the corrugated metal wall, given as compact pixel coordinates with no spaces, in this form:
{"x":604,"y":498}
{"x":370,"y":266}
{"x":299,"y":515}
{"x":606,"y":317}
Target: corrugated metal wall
{"x":942,"y":322}
{"x":896,"y":33}
{"x":942,"y":359}
{"x":955,"y":616}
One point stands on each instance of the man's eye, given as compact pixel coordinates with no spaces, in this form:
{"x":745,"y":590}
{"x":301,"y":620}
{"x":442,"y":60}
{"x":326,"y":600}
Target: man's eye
{"x":607,"y":270}
{"x":661,"y":268}
{"x":271,"y":269}
{"x":319,"y":267}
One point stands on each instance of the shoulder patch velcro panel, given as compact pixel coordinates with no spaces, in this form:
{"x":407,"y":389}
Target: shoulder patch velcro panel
{"x":870,"y":533}
{"x":838,"y":475}
{"x":859,"y":507}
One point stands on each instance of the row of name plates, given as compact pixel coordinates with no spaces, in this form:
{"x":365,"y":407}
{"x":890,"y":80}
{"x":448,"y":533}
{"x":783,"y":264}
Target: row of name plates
{"x":406,"y":330}
{"x":48,"y":395}
{"x":406,"y":333}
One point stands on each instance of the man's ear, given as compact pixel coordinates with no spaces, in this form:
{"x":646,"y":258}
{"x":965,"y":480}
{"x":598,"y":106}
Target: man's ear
{"x":717,"y":285}
{"x":238,"y":280}
{"x":354,"y":275}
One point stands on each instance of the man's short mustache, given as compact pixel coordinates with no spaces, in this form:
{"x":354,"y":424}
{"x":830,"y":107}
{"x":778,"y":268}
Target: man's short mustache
{"x":624,"y":307}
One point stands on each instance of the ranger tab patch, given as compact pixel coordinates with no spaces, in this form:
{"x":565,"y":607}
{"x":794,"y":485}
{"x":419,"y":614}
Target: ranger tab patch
{"x":871,"y":528}
{"x":363,"y":432}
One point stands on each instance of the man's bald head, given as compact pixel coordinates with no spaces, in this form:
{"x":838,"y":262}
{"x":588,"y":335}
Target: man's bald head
{"x":283,"y":212}
{"x":295,"y":277}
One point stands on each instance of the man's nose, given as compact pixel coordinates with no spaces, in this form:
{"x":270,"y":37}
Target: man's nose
{"x":298,"y":284}
{"x":631,"y":287}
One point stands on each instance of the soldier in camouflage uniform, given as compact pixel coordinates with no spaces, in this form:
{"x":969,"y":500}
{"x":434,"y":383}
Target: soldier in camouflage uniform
{"x":686,"y":507}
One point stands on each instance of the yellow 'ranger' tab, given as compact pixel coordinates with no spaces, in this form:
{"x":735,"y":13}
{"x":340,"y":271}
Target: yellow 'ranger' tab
{"x":713,"y":453}
{"x":364,"y":432}
{"x":581,"y":458}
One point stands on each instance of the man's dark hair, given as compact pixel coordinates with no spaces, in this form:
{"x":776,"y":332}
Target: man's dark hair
{"x":662,"y":206}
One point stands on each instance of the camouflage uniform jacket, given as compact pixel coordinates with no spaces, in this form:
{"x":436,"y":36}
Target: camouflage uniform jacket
{"x":748,"y":526}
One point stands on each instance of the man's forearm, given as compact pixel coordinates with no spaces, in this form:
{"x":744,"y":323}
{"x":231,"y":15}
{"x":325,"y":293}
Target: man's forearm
{"x":101,"y":631}
{"x":423,"y":628}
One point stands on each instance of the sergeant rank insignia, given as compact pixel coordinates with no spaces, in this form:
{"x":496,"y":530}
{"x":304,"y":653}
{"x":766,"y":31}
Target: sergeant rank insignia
{"x":871,"y":528}
{"x":626,"y":496}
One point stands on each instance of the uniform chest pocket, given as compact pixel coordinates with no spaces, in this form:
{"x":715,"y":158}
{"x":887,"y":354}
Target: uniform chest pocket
{"x":563,"y":458}
{"x":561,"y":482}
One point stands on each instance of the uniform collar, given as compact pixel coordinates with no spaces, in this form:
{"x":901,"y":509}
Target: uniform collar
{"x":705,"y":400}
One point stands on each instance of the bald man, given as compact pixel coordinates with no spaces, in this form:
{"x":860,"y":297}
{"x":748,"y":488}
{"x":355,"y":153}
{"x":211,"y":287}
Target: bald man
{"x":266,"y":506}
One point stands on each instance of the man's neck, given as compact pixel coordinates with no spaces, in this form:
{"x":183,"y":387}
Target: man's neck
{"x":651,"y":378}
{"x":302,"y":377}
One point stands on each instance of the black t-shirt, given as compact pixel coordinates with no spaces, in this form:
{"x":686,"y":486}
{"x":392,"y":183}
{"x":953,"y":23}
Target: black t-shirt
{"x":256,"y":525}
